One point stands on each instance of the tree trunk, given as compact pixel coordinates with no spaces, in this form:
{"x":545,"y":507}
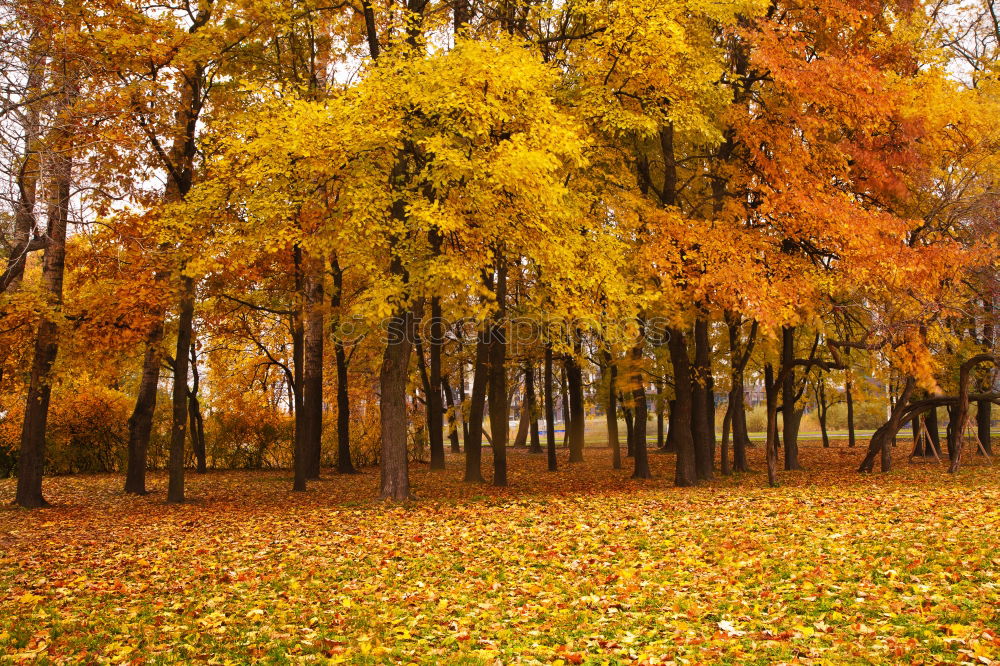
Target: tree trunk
{"x":344,"y":463}
{"x":612,"y":410}
{"x":521,"y":436}
{"x":531,"y":404}
{"x":931,"y":423}
{"x":680,"y":416}
{"x":175,"y":462}
{"x":727,"y":420}
{"x":670,"y":445}
{"x":983,"y":409}
{"x":821,"y":412}
{"x":453,"y":426}
{"x":710,"y":412}
{"x":790,"y":416}
{"x":477,"y":406}
{"x":499,"y":426}
{"x":577,"y":416}
{"x":463,"y":421}
{"x":741,"y":437}
{"x":564,"y":397}
{"x":961,"y":411}
{"x":178,"y":163}
{"x":31,"y":458}
{"x":395,"y":476}
{"x":848,"y":395}
{"x":882,"y":439}
{"x":660,"y":406}
{"x":435,"y":408}
{"x":949,"y":441}
{"x":738,"y":359}
{"x":629,"y":430}
{"x":641,"y":460}
{"x":300,"y":468}
{"x":790,"y":429}
{"x":312,"y":373}
{"x":29,"y":168}
{"x":194,"y":413}
{"x":140,"y":423}
{"x":197,"y":444}
{"x":550,"y":418}
{"x":703,"y":433}
{"x":771,"y":388}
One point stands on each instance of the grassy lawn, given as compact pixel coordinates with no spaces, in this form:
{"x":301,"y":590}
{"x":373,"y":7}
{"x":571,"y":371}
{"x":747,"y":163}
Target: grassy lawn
{"x":580,"y":566}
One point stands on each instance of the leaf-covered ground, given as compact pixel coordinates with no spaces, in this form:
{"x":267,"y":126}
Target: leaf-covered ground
{"x":580,"y":566}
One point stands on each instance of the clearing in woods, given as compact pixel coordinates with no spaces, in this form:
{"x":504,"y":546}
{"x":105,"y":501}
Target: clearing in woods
{"x":579,"y":566}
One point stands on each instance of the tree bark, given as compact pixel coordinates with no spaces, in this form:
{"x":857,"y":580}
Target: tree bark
{"x":435,"y":408}
{"x":983,"y":410}
{"x":680,"y":416}
{"x":194,"y":414}
{"x":881,"y":441}
{"x":612,"y":410}
{"x":312,"y":373}
{"x":629,"y":417}
{"x":670,"y":445}
{"x":641,"y":461}
{"x":178,"y":163}
{"x":394,"y":469}
{"x":531,"y":404}
{"x":550,"y":418}
{"x":710,"y":411}
{"x":849,"y":397}
{"x":140,"y":423}
{"x":577,"y":416}
{"x":949,"y":441}
{"x":196,"y":433}
{"x":790,"y":416}
{"x":961,"y":412}
{"x":704,"y":444}
{"x":564,"y":398}
{"x":821,"y":412}
{"x":395,"y":476}
{"x":918,"y":450}
{"x":460,"y":413}
{"x":477,"y":406}
{"x":660,"y":441}
{"x":738,"y":359}
{"x":453,"y":427}
{"x":521,"y":437}
{"x":175,"y":462}
{"x":741,"y":438}
{"x":771,"y":388}
{"x":498,"y":405}
{"x":31,"y":458}
{"x":727,"y":420}
{"x":931,"y":423}
{"x":300,"y":469}
{"x":28,"y":171}
{"x":344,"y":463}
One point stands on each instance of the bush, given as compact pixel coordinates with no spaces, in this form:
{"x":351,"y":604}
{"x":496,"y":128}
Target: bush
{"x":249,"y":434}
{"x":868,"y":415}
{"x":87,"y":430}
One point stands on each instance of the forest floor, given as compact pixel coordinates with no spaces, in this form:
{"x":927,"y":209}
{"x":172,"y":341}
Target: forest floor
{"x":580,"y":566}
